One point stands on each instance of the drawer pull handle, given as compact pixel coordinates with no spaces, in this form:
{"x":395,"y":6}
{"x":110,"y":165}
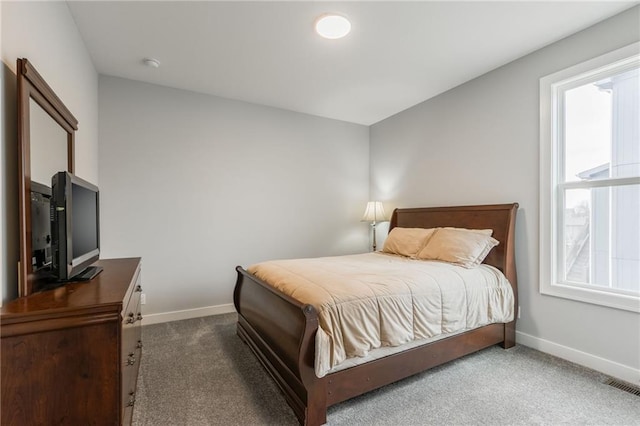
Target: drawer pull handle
{"x":131,"y":360}
{"x":132,"y":399}
{"x":139,"y":345}
{"x":138,"y":288}
{"x":130,"y":318}
{"x":139,"y":317}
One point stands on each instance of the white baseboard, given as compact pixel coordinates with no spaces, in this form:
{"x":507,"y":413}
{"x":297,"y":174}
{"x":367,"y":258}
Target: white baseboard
{"x":187,"y":314}
{"x":611,"y":368}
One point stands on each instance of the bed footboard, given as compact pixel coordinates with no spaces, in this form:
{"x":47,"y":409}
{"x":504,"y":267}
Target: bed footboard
{"x":281,"y":332}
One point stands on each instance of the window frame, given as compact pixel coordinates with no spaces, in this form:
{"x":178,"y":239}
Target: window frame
{"x":552,"y":168}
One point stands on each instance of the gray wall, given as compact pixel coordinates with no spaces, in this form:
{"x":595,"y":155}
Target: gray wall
{"x":197,"y":184}
{"x":45,"y":34}
{"x":479,"y":143}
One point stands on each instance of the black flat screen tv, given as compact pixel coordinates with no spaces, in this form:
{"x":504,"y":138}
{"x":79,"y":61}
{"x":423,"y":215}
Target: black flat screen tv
{"x":75,"y":227}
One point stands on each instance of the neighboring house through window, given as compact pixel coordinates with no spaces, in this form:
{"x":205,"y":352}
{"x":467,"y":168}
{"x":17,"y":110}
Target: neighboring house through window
{"x":590,"y":181}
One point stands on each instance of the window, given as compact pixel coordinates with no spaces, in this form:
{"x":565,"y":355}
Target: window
{"x":590,"y":181}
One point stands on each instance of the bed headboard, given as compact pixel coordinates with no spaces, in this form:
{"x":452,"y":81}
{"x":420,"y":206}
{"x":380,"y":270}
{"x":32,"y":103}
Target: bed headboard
{"x":499,"y":217}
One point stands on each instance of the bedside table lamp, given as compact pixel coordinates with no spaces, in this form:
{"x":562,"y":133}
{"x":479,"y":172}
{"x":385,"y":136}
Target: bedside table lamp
{"x":374,"y":213}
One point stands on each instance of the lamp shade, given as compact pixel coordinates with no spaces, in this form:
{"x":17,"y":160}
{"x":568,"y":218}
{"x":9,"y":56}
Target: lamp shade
{"x":374,"y":212}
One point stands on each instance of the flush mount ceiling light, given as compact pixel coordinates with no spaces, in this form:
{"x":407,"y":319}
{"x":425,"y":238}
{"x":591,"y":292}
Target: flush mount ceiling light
{"x":332,"y":26}
{"x":151,"y":62}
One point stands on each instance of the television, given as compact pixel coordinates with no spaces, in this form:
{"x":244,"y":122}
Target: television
{"x":75,"y":228}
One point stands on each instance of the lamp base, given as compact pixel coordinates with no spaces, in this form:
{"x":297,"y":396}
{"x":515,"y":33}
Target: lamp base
{"x":373,"y":226}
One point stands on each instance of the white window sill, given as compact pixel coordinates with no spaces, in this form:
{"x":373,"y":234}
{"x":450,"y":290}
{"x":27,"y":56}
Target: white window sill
{"x":593,"y":296}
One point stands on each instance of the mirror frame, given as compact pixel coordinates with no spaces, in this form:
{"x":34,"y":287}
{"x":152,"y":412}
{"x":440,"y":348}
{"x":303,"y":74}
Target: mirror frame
{"x":31,"y":85}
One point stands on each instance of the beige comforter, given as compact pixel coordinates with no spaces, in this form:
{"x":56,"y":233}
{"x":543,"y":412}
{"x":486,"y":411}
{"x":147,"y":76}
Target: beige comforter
{"x":371,"y":300}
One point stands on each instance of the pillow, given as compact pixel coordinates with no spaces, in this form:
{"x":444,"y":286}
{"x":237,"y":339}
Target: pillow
{"x":460,"y":246}
{"x":407,"y":241}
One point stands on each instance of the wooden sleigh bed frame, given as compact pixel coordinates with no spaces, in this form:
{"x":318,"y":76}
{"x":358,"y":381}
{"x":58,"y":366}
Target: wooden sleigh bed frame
{"x":281,"y":331}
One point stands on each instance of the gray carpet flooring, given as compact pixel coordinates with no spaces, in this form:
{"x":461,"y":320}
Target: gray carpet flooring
{"x":198,"y":372}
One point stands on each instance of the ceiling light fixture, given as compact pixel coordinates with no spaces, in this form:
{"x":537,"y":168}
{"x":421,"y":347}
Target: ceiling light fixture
{"x":332,"y":26}
{"x":151,"y":62}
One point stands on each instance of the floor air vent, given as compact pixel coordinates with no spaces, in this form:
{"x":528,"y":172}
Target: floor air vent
{"x":627,"y":387}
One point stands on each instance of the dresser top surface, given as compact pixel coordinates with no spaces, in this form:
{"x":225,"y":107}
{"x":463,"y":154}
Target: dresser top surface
{"x":107,"y":288}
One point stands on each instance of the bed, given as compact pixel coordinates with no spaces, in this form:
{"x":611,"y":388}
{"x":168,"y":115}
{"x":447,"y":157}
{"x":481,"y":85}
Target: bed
{"x":281,"y":331}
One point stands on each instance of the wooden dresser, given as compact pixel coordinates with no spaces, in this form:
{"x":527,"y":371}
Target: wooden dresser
{"x":70,"y":356}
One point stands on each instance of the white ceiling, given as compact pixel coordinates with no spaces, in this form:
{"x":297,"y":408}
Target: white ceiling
{"x":398,"y":54}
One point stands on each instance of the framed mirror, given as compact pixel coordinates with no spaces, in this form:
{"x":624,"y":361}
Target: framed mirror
{"x":46,"y":137}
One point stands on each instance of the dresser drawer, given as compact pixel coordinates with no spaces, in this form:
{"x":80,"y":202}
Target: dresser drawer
{"x":131,"y":349}
{"x":131,"y":331}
